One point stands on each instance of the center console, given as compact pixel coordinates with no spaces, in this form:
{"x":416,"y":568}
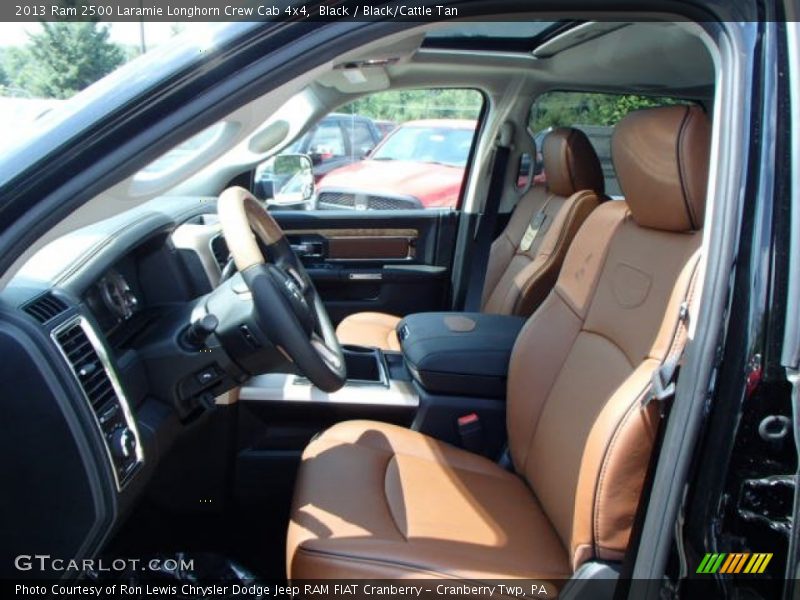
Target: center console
{"x":459,"y":363}
{"x":374,"y":378}
{"x":459,"y":353}
{"x":452,"y":366}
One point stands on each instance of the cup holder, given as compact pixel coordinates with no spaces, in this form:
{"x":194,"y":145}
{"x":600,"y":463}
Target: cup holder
{"x":365,"y":366}
{"x":358,"y":349}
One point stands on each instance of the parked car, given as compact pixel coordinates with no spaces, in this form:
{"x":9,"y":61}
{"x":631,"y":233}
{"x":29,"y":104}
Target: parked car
{"x":335,"y":141}
{"x":419,"y":165}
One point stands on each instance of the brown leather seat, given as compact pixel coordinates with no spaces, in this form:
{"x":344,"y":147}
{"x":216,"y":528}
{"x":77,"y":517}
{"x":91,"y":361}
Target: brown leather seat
{"x":378,"y":501}
{"x":519,"y":274}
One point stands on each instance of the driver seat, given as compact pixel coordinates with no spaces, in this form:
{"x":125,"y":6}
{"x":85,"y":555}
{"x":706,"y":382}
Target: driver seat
{"x":377,"y":501}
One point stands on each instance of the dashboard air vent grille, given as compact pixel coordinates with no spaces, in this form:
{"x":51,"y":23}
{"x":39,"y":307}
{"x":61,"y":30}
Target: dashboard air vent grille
{"x":87,"y":366}
{"x":45,"y":307}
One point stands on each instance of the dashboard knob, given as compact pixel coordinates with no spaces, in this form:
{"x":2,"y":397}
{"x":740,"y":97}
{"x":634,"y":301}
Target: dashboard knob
{"x":123,"y":443}
{"x":199,"y":330}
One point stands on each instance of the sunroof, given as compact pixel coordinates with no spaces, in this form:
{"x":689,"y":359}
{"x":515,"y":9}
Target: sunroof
{"x":516,"y":36}
{"x":515,"y":30}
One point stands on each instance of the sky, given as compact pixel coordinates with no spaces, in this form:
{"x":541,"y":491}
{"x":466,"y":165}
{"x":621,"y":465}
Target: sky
{"x":15,"y":34}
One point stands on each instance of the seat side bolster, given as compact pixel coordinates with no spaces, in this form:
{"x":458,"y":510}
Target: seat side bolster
{"x":618,"y":448}
{"x":553,"y":249}
{"x":505,"y":246}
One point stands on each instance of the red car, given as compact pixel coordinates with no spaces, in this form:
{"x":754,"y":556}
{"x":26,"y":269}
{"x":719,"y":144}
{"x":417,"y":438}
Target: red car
{"x":419,"y":165}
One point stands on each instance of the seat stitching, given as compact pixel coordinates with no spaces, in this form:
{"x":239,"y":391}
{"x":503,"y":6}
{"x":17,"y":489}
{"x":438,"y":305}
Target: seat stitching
{"x":551,"y":258}
{"x":392,"y":457}
{"x":681,"y":177}
{"x":606,"y":460}
{"x":499,"y":473}
{"x":393,"y":563}
{"x":568,"y":160}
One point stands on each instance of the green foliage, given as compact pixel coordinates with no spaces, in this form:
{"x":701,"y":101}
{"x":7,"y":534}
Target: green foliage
{"x":63,"y":59}
{"x":562,"y":109}
{"x":407,"y":105}
{"x":554,"y":109}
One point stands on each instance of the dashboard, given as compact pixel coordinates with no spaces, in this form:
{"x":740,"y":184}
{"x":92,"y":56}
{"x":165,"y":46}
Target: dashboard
{"x":86,"y":336}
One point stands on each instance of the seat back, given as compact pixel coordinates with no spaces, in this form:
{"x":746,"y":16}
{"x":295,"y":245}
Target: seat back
{"x":525,"y":259}
{"x":583,"y":362}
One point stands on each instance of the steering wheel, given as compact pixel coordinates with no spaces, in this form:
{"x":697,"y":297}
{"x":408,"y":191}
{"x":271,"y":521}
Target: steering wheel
{"x":286,"y":302}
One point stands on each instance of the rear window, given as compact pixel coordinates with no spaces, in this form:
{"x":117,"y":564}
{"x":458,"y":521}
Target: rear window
{"x":595,"y":114}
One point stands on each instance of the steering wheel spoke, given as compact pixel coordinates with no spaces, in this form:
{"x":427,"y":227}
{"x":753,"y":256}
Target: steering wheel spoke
{"x":286,"y":302}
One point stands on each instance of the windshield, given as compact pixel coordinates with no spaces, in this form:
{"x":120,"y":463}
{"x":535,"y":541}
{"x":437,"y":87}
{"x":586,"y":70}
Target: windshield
{"x":440,"y":144}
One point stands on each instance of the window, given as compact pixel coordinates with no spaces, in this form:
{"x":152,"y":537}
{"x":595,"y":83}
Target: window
{"x":594,"y":114}
{"x":395,"y":150}
{"x":362,"y":138}
{"x":327,"y":142}
{"x":421,"y":161}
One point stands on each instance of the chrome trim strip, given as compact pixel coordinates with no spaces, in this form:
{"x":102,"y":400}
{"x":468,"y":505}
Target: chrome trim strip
{"x":280,"y":387}
{"x":105,"y":361}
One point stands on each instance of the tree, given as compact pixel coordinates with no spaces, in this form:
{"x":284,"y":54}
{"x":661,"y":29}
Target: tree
{"x":407,"y":105}
{"x":67,"y":57}
{"x":565,"y":109}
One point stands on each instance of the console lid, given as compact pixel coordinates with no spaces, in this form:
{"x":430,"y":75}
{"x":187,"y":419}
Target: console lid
{"x":459,"y":353}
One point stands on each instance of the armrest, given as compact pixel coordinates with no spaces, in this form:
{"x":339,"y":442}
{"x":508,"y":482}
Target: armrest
{"x":459,"y":353}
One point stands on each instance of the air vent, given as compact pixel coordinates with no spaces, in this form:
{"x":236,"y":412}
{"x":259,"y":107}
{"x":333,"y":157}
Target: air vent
{"x":87,"y":366}
{"x":92,"y":369}
{"x":45,"y":307}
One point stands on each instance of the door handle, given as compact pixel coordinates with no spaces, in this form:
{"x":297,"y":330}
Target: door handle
{"x":365,"y":276}
{"x":307,"y":249}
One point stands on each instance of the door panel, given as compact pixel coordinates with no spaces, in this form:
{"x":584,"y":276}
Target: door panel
{"x":387,"y":261}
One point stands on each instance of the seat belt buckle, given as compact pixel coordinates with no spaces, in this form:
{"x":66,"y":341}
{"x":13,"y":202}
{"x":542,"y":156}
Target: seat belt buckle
{"x":470,"y":431}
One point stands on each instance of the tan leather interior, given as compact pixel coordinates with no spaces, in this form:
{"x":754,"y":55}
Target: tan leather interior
{"x":370,"y":329}
{"x":241,"y":215}
{"x":525,"y":259}
{"x":378,"y":501}
{"x":665,"y":170}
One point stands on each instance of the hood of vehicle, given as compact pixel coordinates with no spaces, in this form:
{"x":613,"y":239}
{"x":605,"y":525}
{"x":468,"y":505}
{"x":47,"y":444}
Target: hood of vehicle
{"x":433,"y":184}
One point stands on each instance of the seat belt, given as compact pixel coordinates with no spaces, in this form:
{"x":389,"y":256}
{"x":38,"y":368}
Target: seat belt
{"x":662,"y":391}
{"x":484,"y":236}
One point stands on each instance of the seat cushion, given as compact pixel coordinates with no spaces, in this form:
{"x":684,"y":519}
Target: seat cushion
{"x":370,"y":329}
{"x":379,"y":501}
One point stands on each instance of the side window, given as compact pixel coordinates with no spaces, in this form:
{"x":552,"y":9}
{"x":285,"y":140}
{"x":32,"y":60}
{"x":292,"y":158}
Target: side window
{"x":419,"y":164}
{"x":594,"y":114}
{"x":362,"y":140}
{"x":326,"y":143}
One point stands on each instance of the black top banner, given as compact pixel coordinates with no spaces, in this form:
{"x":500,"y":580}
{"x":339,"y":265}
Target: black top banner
{"x":332,"y":10}
{"x":222,"y":10}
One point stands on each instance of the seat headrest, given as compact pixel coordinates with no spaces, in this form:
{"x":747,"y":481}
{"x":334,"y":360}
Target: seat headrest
{"x":570,"y":163}
{"x":661,"y":159}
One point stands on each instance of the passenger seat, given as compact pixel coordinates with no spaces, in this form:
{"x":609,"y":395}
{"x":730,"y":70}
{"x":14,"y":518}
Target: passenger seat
{"x":525,"y":259}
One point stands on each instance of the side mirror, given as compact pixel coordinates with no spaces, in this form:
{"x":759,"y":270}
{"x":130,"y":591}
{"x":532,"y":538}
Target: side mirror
{"x":293,"y":182}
